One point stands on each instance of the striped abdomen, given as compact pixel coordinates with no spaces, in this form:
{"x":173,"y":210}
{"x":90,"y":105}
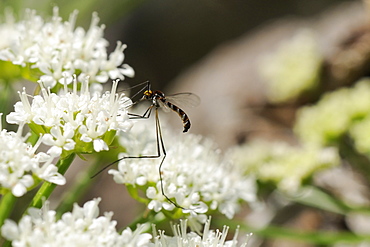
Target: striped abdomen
{"x":181,"y":113}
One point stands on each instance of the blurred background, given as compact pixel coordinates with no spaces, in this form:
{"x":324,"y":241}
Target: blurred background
{"x":213,"y":48}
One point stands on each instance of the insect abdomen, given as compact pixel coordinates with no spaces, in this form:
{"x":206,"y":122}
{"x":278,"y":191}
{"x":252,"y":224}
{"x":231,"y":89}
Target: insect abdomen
{"x":182,"y":115}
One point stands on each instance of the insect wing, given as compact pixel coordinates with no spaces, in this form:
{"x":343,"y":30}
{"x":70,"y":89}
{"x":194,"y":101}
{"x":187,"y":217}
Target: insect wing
{"x":163,"y":106}
{"x":184,"y":99}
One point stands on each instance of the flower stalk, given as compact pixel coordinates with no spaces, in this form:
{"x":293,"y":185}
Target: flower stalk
{"x":81,"y":185}
{"x":47,"y":188}
{"x":6,"y":205}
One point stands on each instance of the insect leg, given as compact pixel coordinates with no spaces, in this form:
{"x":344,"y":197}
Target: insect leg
{"x":134,"y":116}
{"x":146,"y":114}
{"x":160,"y":144}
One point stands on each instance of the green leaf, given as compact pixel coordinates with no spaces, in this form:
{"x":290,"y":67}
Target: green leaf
{"x":314,"y":197}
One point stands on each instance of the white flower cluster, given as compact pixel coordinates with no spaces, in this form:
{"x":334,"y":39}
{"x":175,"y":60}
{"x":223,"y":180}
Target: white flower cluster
{"x":209,"y":238}
{"x":81,"y":227}
{"x":194,"y":176}
{"x":339,"y":112}
{"x":71,"y":121}
{"x":19,"y":164}
{"x":288,"y":74}
{"x":283,"y":164}
{"x":59,"y":50}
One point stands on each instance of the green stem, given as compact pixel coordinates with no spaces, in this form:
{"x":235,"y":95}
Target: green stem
{"x":357,"y":160}
{"x":5,"y":94}
{"x":314,"y":237}
{"x":82,"y":183}
{"x":47,"y":188}
{"x":33,"y":138}
{"x":6,"y":205}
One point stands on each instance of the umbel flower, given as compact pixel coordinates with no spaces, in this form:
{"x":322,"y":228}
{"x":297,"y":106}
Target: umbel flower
{"x":288,"y":75}
{"x":81,"y":227}
{"x":282,"y":164}
{"x":322,"y":125}
{"x":84,"y":227}
{"x":79,"y":122}
{"x":194,"y":175}
{"x":209,"y":238}
{"x":20,"y":165}
{"x":58,"y":49}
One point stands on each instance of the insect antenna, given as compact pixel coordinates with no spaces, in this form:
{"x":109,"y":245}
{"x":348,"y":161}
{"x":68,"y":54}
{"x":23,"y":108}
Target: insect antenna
{"x":147,"y":86}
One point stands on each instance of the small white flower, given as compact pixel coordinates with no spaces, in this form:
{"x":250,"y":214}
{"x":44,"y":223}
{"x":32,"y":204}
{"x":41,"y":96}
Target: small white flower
{"x":20,"y":188}
{"x":100,"y":145}
{"x":193,"y":172}
{"x":71,"y":120}
{"x":49,"y":172}
{"x":81,"y":227}
{"x":209,"y":238}
{"x":19,"y":163}
{"x":110,"y":67}
{"x":59,"y":139}
{"x":59,"y":49}
{"x":84,"y":227}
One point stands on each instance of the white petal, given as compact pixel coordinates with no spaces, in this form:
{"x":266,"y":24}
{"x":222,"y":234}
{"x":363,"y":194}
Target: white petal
{"x":100,"y":145}
{"x":85,"y":138}
{"x":6,"y":55}
{"x":127,"y":70}
{"x":19,"y":190}
{"x":51,"y":175}
{"x":57,"y":178}
{"x":70,"y":145}
{"x":48,"y":139}
{"x":55,"y":151}
{"x":10,"y":230}
{"x":91,"y":209}
{"x":151,"y":192}
{"x":48,"y":81}
{"x":141,"y":180}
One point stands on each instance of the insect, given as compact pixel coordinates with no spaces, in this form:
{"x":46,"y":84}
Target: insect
{"x":158,"y":100}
